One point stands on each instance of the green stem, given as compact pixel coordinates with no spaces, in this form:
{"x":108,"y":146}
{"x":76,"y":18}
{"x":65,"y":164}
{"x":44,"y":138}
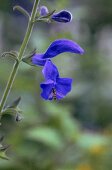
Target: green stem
{"x":21,"y":52}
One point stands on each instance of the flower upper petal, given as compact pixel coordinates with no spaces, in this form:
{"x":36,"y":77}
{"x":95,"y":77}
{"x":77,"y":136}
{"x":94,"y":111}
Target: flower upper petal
{"x":38,"y":60}
{"x":50,"y":71}
{"x":62,"y":16}
{"x":47,"y":89}
{"x":60,"y":46}
{"x":63,"y":87}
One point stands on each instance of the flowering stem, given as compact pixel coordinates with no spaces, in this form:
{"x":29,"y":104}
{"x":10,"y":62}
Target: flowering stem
{"x":21,"y":52}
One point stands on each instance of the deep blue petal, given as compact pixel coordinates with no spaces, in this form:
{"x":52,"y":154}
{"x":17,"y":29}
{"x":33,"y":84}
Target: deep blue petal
{"x":61,"y":46}
{"x":38,"y":60}
{"x":50,"y":71}
{"x":47,"y":89}
{"x":62,"y":16}
{"x":43,"y":10}
{"x":63,"y":87}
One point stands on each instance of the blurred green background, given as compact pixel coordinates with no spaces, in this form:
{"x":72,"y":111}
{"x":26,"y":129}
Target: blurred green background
{"x":76,"y":132}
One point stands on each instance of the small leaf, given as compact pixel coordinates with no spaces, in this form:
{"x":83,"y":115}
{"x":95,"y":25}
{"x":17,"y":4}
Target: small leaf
{"x":15,"y":103}
{"x":28,"y":58}
{"x":1,"y":138}
{"x":11,"y":54}
{"x":21,"y":10}
{"x":88,"y":140}
{"x":42,"y":20}
{"x":14,"y":52}
{"x":3,"y":156}
{"x":18,"y":117}
{"x":48,"y":136}
{"x":10,"y":111}
{"x":45,"y":18}
{"x":3,"y":149}
{"x":14,"y":110}
{"x":48,"y":15}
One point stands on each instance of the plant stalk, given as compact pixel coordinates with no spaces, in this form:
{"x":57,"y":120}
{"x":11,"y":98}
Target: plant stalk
{"x":21,"y":53}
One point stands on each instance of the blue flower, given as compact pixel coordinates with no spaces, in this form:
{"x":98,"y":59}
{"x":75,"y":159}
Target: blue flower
{"x":54,"y":87}
{"x":57,"y":47}
{"x":43,"y":11}
{"x":62,"y":16}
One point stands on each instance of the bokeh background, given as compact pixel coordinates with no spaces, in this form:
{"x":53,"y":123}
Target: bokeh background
{"x":76,"y":132}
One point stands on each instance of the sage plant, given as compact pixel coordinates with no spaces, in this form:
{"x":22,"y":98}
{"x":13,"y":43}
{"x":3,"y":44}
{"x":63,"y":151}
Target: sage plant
{"x":54,"y":87}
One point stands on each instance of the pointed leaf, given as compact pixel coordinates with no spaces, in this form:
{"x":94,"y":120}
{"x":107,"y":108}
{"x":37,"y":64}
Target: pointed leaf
{"x":48,"y":15}
{"x":1,"y":138}
{"x":28,"y":58}
{"x":21,"y":10}
{"x":48,"y":136}
{"x":15,"y":103}
{"x":3,"y":152}
{"x":3,"y":156}
{"x":10,"y":111}
{"x":18,"y":117}
{"x":13,"y":55}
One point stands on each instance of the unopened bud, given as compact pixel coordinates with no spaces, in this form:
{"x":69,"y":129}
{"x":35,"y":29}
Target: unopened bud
{"x":43,"y":10}
{"x":62,"y":16}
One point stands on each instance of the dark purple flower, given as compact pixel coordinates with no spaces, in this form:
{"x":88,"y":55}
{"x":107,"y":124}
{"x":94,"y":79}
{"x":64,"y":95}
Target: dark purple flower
{"x":57,"y":47}
{"x":54,"y":87}
{"x":43,"y":10}
{"x":62,"y":16}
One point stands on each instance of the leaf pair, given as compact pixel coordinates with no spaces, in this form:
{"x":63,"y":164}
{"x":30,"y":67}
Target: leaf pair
{"x":3,"y":150}
{"x":14,"y":110}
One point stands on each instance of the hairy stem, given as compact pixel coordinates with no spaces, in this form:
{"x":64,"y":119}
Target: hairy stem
{"x":21,"y":52}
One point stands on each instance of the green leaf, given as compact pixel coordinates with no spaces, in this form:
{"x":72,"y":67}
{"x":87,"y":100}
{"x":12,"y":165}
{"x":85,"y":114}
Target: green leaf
{"x":45,"y":18}
{"x":21,"y":10}
{"x":3,"y":152}
{"x":15,"y":103}
{"x":65,"y":121}
{"x":88,"y":140}
{"x":1,"y":139}
{"x":12,"y":54}
{"x":47,"y":136}
{"x":42,"y":20}
{"x":10,"y":111}
{"x":14,"y":110}
{"x":48,"y":15}
{"x":28,"y":58}
{"x":18,"y":117}
{"x":3,"y":155}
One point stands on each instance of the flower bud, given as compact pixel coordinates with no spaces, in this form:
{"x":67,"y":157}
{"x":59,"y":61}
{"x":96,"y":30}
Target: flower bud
{"x":62,"y":16}
{"x":43,"y":10}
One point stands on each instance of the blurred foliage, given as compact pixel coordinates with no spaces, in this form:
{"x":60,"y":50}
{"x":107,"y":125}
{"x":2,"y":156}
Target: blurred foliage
{"x":75,"y":133}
